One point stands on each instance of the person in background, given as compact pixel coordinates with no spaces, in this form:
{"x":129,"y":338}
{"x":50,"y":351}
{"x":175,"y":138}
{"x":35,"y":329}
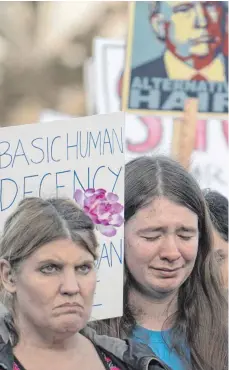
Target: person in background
{"x":218,"y":208}
{"x":48,"y":278}
{"x":173,"y":299}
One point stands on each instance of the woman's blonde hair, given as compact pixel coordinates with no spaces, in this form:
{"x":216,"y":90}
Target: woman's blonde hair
{"x":34,"y":223}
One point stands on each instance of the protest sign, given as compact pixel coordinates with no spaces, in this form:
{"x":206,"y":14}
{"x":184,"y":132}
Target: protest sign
{"x":175,"y":51}
{"x":149,"y":135}
{"x":68,"y":156}
{"x":108,"y":61}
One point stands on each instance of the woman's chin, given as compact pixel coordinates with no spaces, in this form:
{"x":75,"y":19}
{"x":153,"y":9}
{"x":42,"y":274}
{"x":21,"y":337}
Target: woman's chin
{"x":70,"y":325}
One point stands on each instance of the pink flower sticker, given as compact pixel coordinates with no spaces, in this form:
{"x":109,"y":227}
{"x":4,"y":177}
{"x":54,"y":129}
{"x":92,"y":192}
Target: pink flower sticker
{"x":102,"y":207}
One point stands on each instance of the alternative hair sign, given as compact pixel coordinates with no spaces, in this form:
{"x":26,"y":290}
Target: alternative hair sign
{"x":150,"y":135}
{"x":177,"y":50}
{"x":82,"y":159}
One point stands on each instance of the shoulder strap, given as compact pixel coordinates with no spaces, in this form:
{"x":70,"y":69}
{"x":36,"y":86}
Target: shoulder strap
{"x":117,"y":363}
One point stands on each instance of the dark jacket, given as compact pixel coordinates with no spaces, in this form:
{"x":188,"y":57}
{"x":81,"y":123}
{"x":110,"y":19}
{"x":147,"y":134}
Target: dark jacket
{"x":152,"y":68}
{"x":128,"y":355}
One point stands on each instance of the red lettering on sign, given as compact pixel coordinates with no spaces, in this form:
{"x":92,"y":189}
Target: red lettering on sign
{"x":154,"y":135}
{"x":155,"y":131}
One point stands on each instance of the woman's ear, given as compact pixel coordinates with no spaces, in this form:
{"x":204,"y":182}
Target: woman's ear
{"x":7,"y":276}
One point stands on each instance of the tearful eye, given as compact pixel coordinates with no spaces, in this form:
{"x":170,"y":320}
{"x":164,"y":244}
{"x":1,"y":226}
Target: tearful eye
{"x":151,"y":238}
{"x":185,"y":237}
{"x":49,"y":269}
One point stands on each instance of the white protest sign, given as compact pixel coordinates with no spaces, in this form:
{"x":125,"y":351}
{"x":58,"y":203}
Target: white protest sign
{"x":49,"y":115}
{"x":109,"y":56}
{"x":59,"y":158}
{"x":89,"y":86}
{"x":149,"y":135}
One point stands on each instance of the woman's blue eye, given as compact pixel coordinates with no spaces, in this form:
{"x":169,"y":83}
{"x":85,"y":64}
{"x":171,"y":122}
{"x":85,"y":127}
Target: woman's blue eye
{"x":85,"y":269}
{"x":48,"y":269}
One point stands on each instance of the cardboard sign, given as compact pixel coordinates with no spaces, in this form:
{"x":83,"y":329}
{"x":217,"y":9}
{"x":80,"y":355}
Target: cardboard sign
{"x":176,"y":51}
{"x":55,"y":160}
{"x":149,"y":135}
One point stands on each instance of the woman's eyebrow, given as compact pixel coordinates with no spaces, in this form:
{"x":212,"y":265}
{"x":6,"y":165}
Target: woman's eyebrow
{"x":188,"y":229}
{"x":152,"y":229}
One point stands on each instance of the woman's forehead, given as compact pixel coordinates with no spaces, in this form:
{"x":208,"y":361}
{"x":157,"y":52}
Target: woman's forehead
{"x":63,"y":251}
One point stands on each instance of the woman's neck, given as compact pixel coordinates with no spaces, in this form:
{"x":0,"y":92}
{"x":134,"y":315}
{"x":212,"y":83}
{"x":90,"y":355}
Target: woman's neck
{"x":63,"y":355}
{"x":152,"y":312}
{"x":40,"y":338}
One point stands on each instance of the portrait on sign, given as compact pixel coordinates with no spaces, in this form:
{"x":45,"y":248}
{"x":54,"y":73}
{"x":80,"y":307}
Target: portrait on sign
{"x":177,"y":50}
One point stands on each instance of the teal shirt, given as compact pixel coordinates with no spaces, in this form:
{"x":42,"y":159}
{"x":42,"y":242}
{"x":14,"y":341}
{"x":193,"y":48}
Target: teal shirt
{"x":156,"y":340}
